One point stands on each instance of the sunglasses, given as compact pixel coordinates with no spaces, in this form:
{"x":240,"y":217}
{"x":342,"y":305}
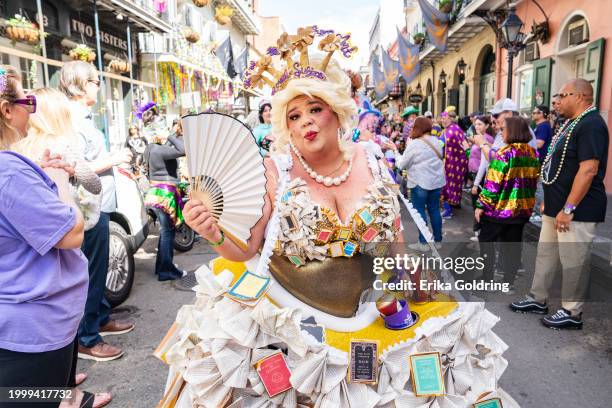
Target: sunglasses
{"x":564,"y":94}
{"x":29,"y":103}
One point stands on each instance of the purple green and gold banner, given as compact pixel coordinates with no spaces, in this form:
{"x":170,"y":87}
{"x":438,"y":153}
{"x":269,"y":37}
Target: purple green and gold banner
{"x":391,"y":71}
{"x":409,"y":64}
{"x":378,"y":79}
{"x":436,"y":23}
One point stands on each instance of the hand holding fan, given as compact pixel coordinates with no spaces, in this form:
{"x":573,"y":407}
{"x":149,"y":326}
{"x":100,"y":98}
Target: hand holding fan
{"x":226,"y":171}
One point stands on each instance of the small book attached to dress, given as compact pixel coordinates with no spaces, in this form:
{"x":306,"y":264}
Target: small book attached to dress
{"x":274,"y":374}
{"x":249,"y":288}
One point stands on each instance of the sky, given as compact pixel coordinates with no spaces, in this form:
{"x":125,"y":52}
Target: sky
{"x":354,"y":16}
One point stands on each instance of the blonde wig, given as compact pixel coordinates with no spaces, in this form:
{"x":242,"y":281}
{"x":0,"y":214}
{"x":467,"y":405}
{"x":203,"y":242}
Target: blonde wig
{"x":74,"y":76}
{"x":8,"y":93}
{"x":50,"y":127}
{"x":334,"y":91}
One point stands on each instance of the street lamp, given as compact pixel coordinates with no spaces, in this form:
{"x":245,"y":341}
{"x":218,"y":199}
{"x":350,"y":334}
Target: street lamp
{"x":443,"y":78}
{"x":461,"y":66}
{"x":513,"y":42}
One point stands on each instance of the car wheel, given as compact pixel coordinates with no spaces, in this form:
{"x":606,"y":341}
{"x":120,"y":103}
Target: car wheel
{"x":120,"y":276}
{"x":184,"y":238}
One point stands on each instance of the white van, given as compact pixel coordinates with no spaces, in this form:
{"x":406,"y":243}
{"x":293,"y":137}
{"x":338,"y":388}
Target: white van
{"x":129,"y":228}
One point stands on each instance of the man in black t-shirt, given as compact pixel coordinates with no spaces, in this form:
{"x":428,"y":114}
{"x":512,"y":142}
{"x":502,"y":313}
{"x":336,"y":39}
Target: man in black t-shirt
{"x":574,"y":202}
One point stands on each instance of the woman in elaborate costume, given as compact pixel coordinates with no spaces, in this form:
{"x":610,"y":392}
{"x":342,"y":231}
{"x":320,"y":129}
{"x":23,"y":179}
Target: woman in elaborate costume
{"x":329,"y":204}
{"x":455,"y":163}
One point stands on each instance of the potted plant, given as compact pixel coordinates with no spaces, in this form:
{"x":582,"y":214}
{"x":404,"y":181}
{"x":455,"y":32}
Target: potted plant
{"x":20,"y":28}
{"x":418,"y":38}
{"x":201,"y":3}
{"x":83,"y":53}
{"x":120,"y":66}
{"x":223,"y":15}
{"x":446,"y":6}
{"x":192,"y":36}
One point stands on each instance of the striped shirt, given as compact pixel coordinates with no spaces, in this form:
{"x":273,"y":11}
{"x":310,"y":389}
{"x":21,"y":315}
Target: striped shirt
{"x":509,"y":189}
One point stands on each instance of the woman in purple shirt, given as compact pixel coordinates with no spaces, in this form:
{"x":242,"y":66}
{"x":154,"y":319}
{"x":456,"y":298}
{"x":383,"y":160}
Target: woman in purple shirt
{"x":43,"y":273}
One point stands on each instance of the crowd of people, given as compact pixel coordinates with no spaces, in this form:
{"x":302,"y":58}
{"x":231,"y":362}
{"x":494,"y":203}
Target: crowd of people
{"x":516,"y":171}
{"x":54,"y":242}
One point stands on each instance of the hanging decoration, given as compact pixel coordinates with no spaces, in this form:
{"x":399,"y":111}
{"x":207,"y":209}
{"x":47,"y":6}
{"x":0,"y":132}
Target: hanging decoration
{"x":82,"y":53}
{"x":418,"y":38}
{"x":223,"y":14}
{"x":19,"y":28}
{"x":445,"y":6}
{"x":192,"y":36}
{"x":201,"y":3}
{"x":119,"y":66}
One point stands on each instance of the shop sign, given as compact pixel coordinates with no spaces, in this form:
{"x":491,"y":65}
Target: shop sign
{"x":78,"y":28}
{"x":415,"y":98}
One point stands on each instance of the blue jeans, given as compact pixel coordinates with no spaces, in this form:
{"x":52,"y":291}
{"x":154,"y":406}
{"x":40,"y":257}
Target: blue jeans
{"x":97,"y":309}
{"x":429,"y":199}
{"x":164,"y":265}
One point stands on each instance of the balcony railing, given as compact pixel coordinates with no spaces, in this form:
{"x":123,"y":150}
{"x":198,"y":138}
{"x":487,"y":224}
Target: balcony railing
{"x":144,"y":13}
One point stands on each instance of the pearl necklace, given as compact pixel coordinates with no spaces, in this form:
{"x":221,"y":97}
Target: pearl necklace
{"x":326,"y":181}
{"x":565,"y":131}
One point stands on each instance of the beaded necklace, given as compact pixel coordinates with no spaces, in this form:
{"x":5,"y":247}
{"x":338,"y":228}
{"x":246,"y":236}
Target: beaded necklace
{"x":564,"y":132}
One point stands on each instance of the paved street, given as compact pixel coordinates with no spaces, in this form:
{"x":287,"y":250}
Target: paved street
{"x":564,"y":369}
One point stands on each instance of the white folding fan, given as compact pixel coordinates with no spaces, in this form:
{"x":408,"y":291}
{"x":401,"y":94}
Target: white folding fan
{"x":226,"y":171}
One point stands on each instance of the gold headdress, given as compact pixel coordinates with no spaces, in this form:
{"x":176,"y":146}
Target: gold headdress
{"x":286,"y":47}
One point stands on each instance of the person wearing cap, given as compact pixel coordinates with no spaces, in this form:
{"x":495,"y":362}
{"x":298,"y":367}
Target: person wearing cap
{"x":408,"y":115}
{"x":455,"y":163}
{"x":504,"y":108}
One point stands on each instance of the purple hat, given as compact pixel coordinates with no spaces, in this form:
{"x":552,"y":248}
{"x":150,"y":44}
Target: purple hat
{"x":143,"y":108}
{"x":368,"y":109}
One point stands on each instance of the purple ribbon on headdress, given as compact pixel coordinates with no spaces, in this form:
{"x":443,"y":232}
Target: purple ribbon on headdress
{"x":143,"y":108}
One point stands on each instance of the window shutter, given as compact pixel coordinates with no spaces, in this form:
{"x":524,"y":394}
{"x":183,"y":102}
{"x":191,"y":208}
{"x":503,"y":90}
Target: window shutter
{"x":541,"y":82}
{"x":594,"y":65}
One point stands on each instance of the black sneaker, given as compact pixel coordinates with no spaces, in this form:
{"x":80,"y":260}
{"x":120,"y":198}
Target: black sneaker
{"x":563,"y":320}
{"x":529,"y":305}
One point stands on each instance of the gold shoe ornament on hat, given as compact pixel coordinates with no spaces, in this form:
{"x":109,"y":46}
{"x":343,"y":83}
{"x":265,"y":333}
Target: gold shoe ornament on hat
{"x":264,"y":72}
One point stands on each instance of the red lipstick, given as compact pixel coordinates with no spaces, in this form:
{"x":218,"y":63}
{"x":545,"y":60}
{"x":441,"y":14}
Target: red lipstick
{"x":310,"y":135}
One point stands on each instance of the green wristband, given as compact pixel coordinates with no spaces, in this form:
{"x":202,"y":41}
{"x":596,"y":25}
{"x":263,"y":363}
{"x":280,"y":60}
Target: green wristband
{"x":220,"y":242}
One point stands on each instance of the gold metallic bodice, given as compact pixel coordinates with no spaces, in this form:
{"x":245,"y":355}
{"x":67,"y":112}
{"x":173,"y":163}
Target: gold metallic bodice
{"x":333,"y":286}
